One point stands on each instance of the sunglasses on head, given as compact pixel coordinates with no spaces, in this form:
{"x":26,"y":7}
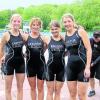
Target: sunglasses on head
{"x":96,"y":35}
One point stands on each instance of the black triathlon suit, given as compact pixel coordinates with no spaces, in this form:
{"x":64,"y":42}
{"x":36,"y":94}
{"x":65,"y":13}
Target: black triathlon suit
{"x":35,"y":58}
{"x":14,"y":60}
{"x":95,"y":70}
{"x":56,"y":64}
{"x":76,"y":58}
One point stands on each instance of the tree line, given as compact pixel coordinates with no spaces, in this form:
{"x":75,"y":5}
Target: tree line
{"x":86,"y":13}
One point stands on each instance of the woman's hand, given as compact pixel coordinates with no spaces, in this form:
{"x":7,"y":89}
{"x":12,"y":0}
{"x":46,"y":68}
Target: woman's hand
{"x":92,"y":64}
{"x":87,"y":72}
{"x":2,"y":60}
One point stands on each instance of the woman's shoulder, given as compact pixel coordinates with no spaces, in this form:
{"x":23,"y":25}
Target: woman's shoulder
{"x":6,"y":33}
{"x":63,"y":37}
{"x":5,"y":37}
{"x":82,"y":32}
{"x":45,"y":38}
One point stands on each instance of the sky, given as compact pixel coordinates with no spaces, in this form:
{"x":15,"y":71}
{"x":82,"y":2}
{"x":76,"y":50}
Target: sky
{"x":13,"y":4}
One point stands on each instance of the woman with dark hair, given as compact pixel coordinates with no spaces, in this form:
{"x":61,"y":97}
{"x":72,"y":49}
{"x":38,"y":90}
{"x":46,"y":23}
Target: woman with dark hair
{"x":55,"y":65}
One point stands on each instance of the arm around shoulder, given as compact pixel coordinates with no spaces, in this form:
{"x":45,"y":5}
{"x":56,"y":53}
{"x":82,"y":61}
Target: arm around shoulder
{"x":24,"y":36}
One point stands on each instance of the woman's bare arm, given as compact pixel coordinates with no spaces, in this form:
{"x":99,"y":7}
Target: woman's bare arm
{"x":87,"y":45}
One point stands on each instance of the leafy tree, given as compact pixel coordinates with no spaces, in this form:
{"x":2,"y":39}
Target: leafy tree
{"x":86,"y":13}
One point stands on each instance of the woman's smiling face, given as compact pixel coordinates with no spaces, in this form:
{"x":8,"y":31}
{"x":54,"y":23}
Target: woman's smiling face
{"x":55,"y":30}
{"x":16,"y":22}
{"x":68,"y":23}
{"x":35,"y":27}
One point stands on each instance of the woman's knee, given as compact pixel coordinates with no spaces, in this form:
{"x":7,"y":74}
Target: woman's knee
{"x":8,"y":89}
{"x":57,"y":90}
{"x":40,"y":88}
{"x":73,"y":94}
{"x":32,"y":86}
{"x":82,"y":90}
{"x":20,"y":86}
{"x":50,"y":90}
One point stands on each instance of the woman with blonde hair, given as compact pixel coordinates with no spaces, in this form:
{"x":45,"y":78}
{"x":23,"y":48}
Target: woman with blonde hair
{"x":79,"y":58}
{"x":13,"y":57}
{"x":35,"y":61}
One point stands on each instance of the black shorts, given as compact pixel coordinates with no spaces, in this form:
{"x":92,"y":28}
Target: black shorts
{"x":75,"y":69}
{"x":97,"y":75}
{"x":36,"y":67}
{"x":95,"y":71}
{"x":13,"y":65}
{"x":55,"y":71}
{"x":92,"y":71}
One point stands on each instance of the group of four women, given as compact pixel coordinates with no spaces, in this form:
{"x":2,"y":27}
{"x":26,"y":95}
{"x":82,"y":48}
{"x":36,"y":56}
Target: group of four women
{"x":75,"y":44}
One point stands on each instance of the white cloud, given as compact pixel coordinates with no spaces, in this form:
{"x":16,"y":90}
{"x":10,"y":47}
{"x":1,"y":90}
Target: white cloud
{"x":12,"y":4}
